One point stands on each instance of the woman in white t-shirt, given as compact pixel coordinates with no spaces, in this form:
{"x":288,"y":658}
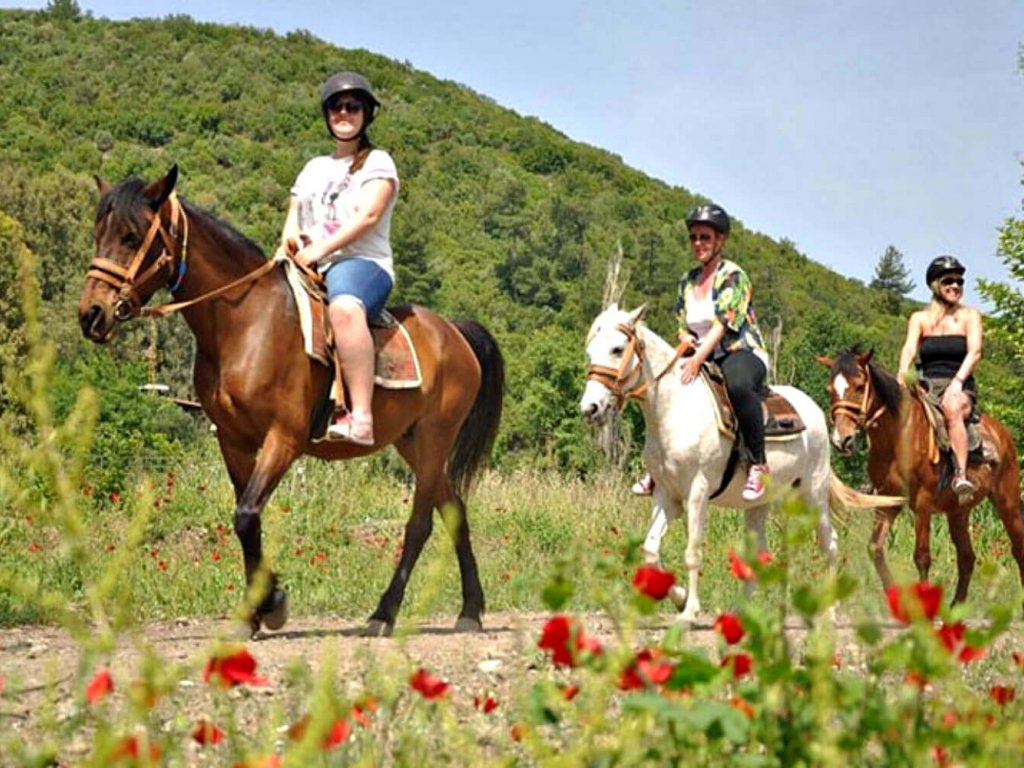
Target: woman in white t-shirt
{"x":340,"y":211}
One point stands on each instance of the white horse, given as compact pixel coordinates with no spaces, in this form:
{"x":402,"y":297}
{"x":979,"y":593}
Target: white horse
{"x":686,"y":453}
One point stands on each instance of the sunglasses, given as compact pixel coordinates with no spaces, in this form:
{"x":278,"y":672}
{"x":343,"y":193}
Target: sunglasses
{"x":946,"y":282}
{"x":351,"y":106}
{"x":701,"y":237}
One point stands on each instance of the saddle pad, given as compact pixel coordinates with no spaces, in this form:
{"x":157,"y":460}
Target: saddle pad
{"x":397,"y":365}
{"x":782,"y":422}
{"x":938,"y":442}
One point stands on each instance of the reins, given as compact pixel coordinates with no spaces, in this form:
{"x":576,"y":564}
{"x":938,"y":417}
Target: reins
{"x":858,"y":412}
{"x":622,"y":382}
{"x":127,"y":282}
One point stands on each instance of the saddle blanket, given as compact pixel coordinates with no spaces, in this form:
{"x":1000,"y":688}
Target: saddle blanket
{"x":397,"y":363}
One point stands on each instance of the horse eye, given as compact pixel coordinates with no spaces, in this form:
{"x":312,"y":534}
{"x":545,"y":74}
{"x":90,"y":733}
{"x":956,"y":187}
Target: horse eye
{"x":617,"y":351}
{"x":129,"y":240}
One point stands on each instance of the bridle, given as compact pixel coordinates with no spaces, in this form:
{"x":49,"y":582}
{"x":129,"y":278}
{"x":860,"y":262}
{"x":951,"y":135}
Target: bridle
{"x":127,"y":281}
{"x":625,"y":383}
{"x":859,"y":412}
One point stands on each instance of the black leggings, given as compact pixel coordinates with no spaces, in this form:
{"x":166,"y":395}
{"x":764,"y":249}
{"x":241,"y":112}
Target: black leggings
{"x":745,"y":379}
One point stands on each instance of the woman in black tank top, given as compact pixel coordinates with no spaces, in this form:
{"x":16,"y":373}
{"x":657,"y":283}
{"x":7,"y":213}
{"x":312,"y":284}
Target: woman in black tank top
{"x":946,"y":338}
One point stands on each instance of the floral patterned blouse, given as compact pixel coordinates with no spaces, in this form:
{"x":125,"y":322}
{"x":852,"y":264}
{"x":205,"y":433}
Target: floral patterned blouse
{"x":731,"y":293}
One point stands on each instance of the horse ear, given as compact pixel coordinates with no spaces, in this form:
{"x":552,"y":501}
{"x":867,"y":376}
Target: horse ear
{"x":636,"y":315}
{"x":101,"y":184}
{"x":866,"y":357}
{"x":828,"y":362}
{"x":157,"y":192}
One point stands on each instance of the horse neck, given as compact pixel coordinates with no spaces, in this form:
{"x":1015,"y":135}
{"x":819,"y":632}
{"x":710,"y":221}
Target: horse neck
{"x":216,"y":257}
{"x":669,"y":390}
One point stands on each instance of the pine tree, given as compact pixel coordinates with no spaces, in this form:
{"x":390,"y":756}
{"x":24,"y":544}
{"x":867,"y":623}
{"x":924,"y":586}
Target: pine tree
{"x":892,"y":278}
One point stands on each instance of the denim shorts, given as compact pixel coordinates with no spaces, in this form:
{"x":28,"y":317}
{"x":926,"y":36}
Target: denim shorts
{"x":360,"y":279}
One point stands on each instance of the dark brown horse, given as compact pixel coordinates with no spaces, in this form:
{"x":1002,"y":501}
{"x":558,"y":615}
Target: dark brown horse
{"x":866,"y":398}
{"x":261,"y":390}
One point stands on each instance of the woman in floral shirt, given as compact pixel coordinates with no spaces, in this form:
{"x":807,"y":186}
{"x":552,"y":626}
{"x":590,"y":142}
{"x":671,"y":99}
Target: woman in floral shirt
{"x":715,"y":305}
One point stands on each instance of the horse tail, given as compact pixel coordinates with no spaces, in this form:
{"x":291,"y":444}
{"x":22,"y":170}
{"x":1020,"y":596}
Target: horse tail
{"x":842,"y":495}
{"x":476,"y":436}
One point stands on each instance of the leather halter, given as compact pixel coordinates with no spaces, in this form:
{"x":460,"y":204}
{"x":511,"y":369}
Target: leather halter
{"x":127,"y":281}
{"x":127,"y":284}
{"x":859,"y":412}
{"x":624,"y":382}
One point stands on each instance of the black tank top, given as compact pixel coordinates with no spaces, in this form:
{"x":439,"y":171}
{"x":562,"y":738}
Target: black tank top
{"x":941,"y":357}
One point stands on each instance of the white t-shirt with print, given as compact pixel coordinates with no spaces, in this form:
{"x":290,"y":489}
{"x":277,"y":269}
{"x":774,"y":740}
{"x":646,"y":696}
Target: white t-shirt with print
{"x":328,"y":195}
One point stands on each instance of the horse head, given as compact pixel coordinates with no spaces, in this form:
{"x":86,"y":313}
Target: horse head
{"x":614,"y":365}
{"x":131,"y":262}
{"x":851,"y":396}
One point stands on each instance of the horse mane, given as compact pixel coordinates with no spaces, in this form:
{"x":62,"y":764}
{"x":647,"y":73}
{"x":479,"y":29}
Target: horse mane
{"x":127,"y":199}
{"x":223,"y":231}
{"x":848,"y":363}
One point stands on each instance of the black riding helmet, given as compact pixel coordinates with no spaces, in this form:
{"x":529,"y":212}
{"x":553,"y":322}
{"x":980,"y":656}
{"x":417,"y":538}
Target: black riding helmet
{"x":943,"y":265}
{"x":349,"y":82}
{"x":712,"y":215}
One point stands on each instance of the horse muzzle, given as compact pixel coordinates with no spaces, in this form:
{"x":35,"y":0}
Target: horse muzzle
{"x":594,"y":405}
{"x":844,"y":444}
{"x":96,"y":325}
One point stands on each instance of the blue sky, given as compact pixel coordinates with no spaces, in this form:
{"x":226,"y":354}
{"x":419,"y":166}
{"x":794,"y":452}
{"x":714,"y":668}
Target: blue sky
{"x":842,"y":126}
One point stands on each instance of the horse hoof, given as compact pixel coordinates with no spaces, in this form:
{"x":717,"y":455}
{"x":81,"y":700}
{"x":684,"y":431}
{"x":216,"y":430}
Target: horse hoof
{"x":678,"y":597}
{"x":378,"y":628}
{"x":276,"y":617}
{"x":468,"y":624}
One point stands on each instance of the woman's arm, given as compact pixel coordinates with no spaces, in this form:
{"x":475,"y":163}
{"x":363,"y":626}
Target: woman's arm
{"x":691,"y":365}
{"x":374,"y":197}
{"x":290,"y":230}
{"x":973,"y":332}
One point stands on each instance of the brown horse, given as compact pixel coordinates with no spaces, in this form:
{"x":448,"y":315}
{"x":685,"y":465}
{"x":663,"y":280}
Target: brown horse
{"x":259,"y":388}
{"x":866,"y":398}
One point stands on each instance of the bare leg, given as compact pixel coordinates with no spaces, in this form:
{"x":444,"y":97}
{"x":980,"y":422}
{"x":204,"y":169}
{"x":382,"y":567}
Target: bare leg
{"x":355,"y":349}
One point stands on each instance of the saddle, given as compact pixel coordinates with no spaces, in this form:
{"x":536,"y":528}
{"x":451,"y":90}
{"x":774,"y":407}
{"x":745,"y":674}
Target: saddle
{"x":979,"y":450}
{"x":397,"y":364}
{"x":781,"y":421}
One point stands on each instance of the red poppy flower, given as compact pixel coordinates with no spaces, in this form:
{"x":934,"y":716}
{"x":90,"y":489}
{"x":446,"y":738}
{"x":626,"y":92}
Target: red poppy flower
{"x":739,"y":568}
{"x":952,"y":638}
{"x":207,"y":733}
{"x":653,"y":582}
{"x":98,"y":688}
{"x":742,"y":705}
{"x":368,"y":704}
{"x":485,"y":704}
{"x":131,"y":748}
{"x":908,"y":602}
{"x":427,"y":686}
{"x":644,"y":669}
{"x":238,"y":668}
{"x":729,"y":626}
{"x":764,"y":557}
{"x":1018,"y":659}
{"x":1002,"y":694}
{"x":338,"y":733}
{"x":741,"y":664}
{"x":569,"y":692}
{"x":565,"y":638}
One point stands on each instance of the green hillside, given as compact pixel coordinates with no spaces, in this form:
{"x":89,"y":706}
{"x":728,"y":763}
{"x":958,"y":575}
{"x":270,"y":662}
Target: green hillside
{"x":501,"y":217}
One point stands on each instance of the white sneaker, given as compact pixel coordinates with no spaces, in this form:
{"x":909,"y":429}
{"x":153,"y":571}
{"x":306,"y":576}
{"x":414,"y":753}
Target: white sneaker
{"x":754,"y":489}
{"x":644,"y":486}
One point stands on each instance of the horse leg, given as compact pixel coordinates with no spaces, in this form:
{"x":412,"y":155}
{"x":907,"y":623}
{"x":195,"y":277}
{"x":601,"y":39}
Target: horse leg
{"x":453,"y":514}
{"x":959,"y":531}
{"x":270,"y":465}
{"x":428,"y":466}
{"x":756,"y":519}
{"x":923,"y":538}
{"x":696,"y":512}
{"x":662,"y":513}
{"x":879,"y":538}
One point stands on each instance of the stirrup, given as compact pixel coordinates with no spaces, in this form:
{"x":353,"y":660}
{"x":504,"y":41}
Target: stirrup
{"x":347,"y":429}
{"x":963,"y":488}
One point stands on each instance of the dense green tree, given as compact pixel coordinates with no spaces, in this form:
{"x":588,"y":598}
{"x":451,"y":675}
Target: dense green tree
{"x":892,"y":278}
